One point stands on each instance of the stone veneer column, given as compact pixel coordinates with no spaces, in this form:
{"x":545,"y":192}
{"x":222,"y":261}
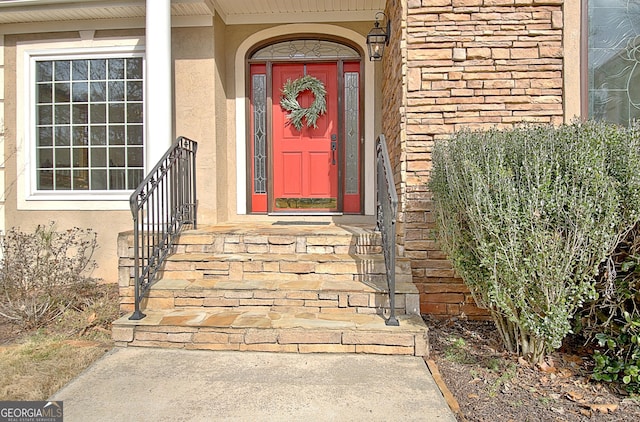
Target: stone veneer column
{"x":452,"y":65}
{"x":159,"y":116}
{"x":394,"y":67}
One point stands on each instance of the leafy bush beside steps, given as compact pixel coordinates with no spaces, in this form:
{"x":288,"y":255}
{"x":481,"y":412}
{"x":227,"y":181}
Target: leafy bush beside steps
{"x":527,"y":215}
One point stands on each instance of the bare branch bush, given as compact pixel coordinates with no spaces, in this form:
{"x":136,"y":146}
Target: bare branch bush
{"x":44,"y":273}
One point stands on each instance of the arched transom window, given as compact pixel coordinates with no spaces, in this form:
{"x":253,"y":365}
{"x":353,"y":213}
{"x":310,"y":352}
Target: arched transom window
{"x":305,"y":49}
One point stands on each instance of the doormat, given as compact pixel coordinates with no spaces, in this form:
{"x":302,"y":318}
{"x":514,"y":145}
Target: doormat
{"x":301,"y":223}
{"x":306,"y":203}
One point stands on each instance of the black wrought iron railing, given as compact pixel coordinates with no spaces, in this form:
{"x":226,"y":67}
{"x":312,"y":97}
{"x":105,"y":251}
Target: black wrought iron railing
{"x":161,"y":206}
{"x":387,"y":201}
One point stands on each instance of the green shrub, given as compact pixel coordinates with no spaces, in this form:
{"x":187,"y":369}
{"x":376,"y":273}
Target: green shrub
{"x":527,"y":215}
{"x":613,"y":319}
{"x":43,"y":273}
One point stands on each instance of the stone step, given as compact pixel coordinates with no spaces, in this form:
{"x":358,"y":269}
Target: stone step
{"x":272,"y":239}
{"x":291,"y":267}
{"x":274,"y":332}
{"x":278,"y":295}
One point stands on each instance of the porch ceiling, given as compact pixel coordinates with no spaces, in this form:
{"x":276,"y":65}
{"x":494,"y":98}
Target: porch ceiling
{"x":231,"y":11}
{"x":33,"y":11}
{"x":298,"y":11}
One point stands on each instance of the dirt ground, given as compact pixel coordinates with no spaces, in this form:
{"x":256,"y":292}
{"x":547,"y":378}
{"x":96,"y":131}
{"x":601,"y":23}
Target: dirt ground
{"x":492,"y":385}
{"x":8,"y":333}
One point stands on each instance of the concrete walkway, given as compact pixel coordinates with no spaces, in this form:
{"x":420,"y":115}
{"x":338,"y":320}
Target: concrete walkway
{"x":140,"y":384}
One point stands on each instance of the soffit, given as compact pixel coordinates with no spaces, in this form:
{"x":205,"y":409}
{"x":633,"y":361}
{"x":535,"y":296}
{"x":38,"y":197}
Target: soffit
{"x":297,"y":11}
{"x":231,"y":11}
{"x":33,"y":11}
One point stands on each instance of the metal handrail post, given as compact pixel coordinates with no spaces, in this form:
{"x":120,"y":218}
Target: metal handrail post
{"x":387,"y":210}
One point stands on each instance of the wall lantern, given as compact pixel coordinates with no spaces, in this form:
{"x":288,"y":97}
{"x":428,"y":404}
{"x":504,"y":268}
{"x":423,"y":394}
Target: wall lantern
{"x":378,"y":38}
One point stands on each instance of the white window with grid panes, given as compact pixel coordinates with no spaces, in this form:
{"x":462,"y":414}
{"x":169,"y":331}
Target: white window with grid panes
{"x":84,"y":115}
{"x":80,"y":122}
{"x":88,"y":115}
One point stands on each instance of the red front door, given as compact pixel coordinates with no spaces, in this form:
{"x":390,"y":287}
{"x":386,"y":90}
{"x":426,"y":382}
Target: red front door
{"x":306,"y":161}
{"x":313,"y":170}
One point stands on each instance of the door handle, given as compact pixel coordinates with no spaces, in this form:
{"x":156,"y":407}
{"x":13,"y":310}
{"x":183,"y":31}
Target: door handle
{"x":334,"y":148}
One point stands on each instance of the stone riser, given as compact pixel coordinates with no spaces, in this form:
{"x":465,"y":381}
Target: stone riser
{"x":274,"y":340}
{"x":226,"y":264}
{"x":301,"y":341}
{"x":252,"y":277}
{"x":278,"y":244}
{"x":280,"y":301}
{"x":240,"y":275}
{"x":325,"y":292}
{"x":280,"y":249}
{"x":273,"y":300}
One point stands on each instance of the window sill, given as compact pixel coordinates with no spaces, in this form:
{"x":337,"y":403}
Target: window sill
{"x":76,"y":201}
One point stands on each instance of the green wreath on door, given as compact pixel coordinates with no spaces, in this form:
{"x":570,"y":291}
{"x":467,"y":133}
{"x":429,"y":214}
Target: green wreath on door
{"x":297,"y":113}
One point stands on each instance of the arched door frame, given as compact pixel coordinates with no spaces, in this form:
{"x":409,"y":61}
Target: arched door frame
{"x":241,"y":105}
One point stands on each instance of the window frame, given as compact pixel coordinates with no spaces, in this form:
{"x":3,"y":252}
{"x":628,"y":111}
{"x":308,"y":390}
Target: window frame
{"x":585,"y":105}
{"x":32,"y":197}
{"x":584,"y":60}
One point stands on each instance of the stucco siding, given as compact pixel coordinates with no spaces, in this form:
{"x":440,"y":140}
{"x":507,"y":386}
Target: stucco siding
{"x":197,"y":113}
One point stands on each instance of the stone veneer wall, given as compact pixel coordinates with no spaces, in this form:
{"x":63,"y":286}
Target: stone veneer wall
{"x":473,"y":64}
{"x":394,"y":67}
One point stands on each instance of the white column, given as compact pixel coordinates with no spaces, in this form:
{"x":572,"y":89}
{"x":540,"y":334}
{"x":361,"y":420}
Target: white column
{"x":159,"y":116}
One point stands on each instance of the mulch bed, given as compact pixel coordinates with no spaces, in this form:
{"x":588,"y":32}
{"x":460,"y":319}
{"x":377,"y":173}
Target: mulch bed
{"x":490,"y":384}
